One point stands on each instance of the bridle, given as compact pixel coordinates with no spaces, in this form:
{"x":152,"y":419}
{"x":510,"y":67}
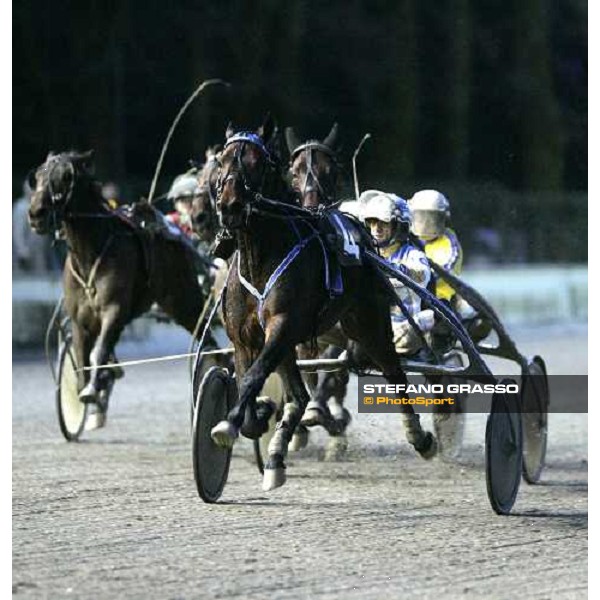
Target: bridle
{"x":238,"y":171}
{"x":311,"y":180}
{"x":61,"y":208}
{"x":59,"y":199}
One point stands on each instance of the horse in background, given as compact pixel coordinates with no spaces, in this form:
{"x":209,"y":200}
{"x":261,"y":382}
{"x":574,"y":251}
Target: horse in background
{"x":114,"y":270}
{"x":315,"y":176}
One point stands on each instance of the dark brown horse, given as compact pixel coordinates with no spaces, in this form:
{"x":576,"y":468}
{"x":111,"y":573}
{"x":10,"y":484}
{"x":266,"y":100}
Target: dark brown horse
{"x":113,"y":272}
{"x":276,"y":298}
{"x":204,"y":206}
{"x":314,"y":168}
{"x":315,"y":175}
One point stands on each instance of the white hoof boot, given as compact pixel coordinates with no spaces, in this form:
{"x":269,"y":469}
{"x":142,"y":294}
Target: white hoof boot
{"x":95,"y":420}
{"x":299,"y":440}
{"x":273,"y":479}
{"x":224,"y":434}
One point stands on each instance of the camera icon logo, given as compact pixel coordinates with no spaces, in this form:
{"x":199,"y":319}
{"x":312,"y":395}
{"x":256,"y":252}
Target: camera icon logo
{"x":368,"y":400}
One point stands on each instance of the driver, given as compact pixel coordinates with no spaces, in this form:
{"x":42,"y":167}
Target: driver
{"x":183,"y":190}
{"x":430,"y":211}
{"x":388,"y":219}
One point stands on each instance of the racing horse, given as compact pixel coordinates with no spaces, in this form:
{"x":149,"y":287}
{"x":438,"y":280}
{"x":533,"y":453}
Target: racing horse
{"x":315,"y":172}
{"x":285,"y":257}
{"x":113,"y":270}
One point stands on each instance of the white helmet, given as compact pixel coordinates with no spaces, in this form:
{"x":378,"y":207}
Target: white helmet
{"x":383,"y":207}
{"x":351,"y":207}
{"x":430,"y":210}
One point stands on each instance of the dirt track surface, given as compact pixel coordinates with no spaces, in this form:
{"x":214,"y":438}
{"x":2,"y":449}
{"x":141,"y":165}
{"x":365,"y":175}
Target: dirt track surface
{"x":117,"y":515}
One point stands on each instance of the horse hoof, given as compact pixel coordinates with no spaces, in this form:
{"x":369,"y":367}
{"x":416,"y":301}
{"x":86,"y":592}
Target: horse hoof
{"x":95,"y":420}
{"x":265,"y":408}
{"x":273,"y":478}
{"x":429,"y":447}
{"x":336,"y":448}
{"x":312,"y":417}
{"x":299,"y":439}
{"x":88,"y":395}
{"x":224,"y":434}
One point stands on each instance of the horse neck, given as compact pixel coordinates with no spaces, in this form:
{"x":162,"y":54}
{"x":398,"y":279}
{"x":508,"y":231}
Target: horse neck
{"x":86,"y":237}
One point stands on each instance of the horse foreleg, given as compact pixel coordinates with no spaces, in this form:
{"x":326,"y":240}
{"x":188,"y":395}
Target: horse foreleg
{"x":296,"y":400}
{"x":328,"y":385}
{"x":245,"y":413}
{"x":81,"y":348}
{"x":111,"y":327}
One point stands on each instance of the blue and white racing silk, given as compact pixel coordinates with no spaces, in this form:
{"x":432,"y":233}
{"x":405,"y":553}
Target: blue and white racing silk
{"x":413,"y":262}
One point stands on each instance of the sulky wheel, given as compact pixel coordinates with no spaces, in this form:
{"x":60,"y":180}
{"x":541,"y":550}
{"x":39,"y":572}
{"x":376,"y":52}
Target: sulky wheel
{"x":202,"y":364}
{"x":450,"y":424}
{"x":216,"y":396}
{"x":535,"y":398}
{"x":503,"y":450}
{"x":71,"y":411}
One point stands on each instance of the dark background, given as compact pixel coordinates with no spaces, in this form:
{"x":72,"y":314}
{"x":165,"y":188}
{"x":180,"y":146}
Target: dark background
{"x":486,"y":101}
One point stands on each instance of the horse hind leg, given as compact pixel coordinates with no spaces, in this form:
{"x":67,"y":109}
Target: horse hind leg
{"x":374,"y":337}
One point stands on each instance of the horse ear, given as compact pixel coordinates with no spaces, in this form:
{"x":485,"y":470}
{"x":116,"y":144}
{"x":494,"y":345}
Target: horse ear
{"x":267,"y":129}
{"x":291,"y":139}
{"x":50,"y":155}
{"x":86,"y":160}
{"x":229,"y":131}
{"x":331,"y":139}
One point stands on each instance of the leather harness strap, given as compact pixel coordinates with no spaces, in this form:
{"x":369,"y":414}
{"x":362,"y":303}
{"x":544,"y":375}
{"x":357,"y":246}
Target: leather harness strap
{"x":88,"y":286}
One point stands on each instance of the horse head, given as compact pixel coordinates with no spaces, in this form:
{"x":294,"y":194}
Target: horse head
{"x":204,"y":203}
{"x":247,"y":167}
{"x":55,"y":185}
{"x":314,"y":168}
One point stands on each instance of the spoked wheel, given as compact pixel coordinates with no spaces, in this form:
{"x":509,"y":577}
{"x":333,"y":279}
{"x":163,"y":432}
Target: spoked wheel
{"x":72,"y":412}
{"x":503,"y":451}
{"x":216,"y":396}
{"x":535,"y":398}
{"x":450,"y":425}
